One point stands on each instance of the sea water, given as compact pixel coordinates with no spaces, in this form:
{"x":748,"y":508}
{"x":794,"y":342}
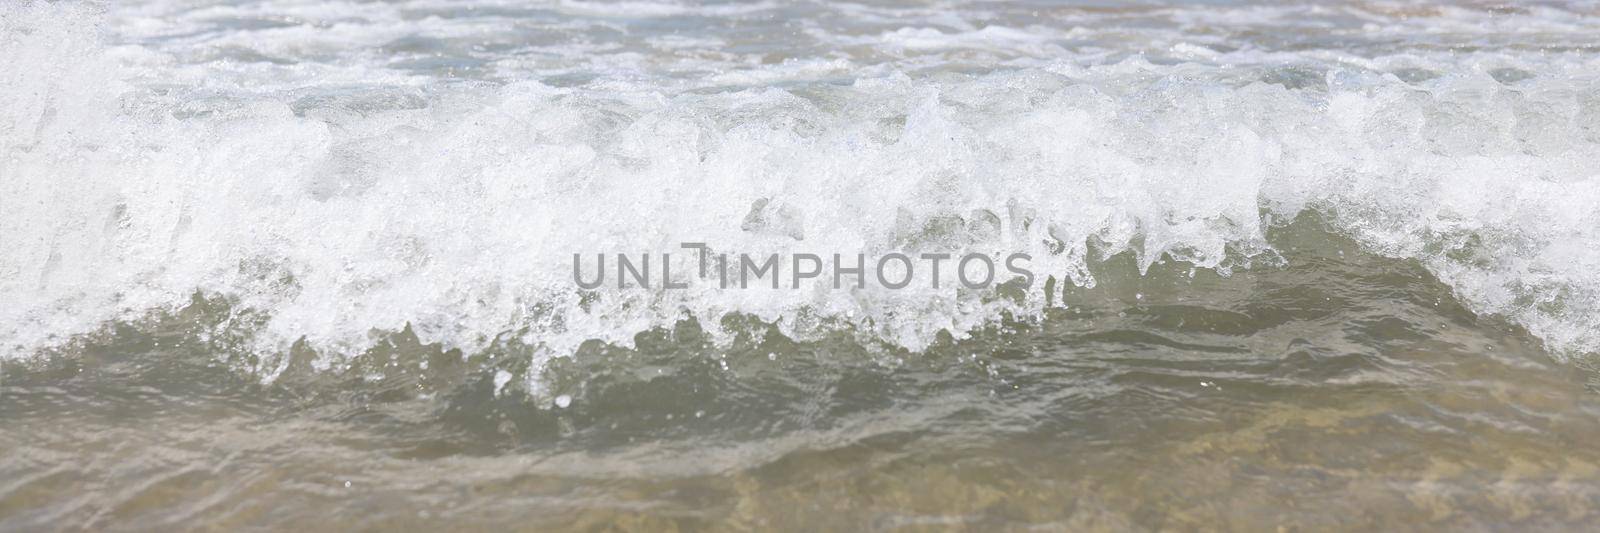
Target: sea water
{"x":311,"y":264}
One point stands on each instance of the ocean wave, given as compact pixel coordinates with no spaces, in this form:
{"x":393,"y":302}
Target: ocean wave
{"x":324,"y":208}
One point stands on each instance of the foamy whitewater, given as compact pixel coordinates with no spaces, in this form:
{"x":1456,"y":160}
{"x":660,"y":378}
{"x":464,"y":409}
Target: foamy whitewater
{"x":337,"y":171}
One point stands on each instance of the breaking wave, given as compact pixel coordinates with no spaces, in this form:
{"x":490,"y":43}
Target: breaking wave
{"x":337,"y":188}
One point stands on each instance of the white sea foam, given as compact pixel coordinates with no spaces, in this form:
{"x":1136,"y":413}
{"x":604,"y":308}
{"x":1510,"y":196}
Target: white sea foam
{"x":346,"y":168}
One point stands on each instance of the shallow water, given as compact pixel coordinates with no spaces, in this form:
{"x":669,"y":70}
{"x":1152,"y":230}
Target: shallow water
{"x":306,"y":264}
{"x":1343,"y":391}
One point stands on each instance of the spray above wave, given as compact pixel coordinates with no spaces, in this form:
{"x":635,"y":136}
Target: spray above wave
{"x":324,"y":210}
